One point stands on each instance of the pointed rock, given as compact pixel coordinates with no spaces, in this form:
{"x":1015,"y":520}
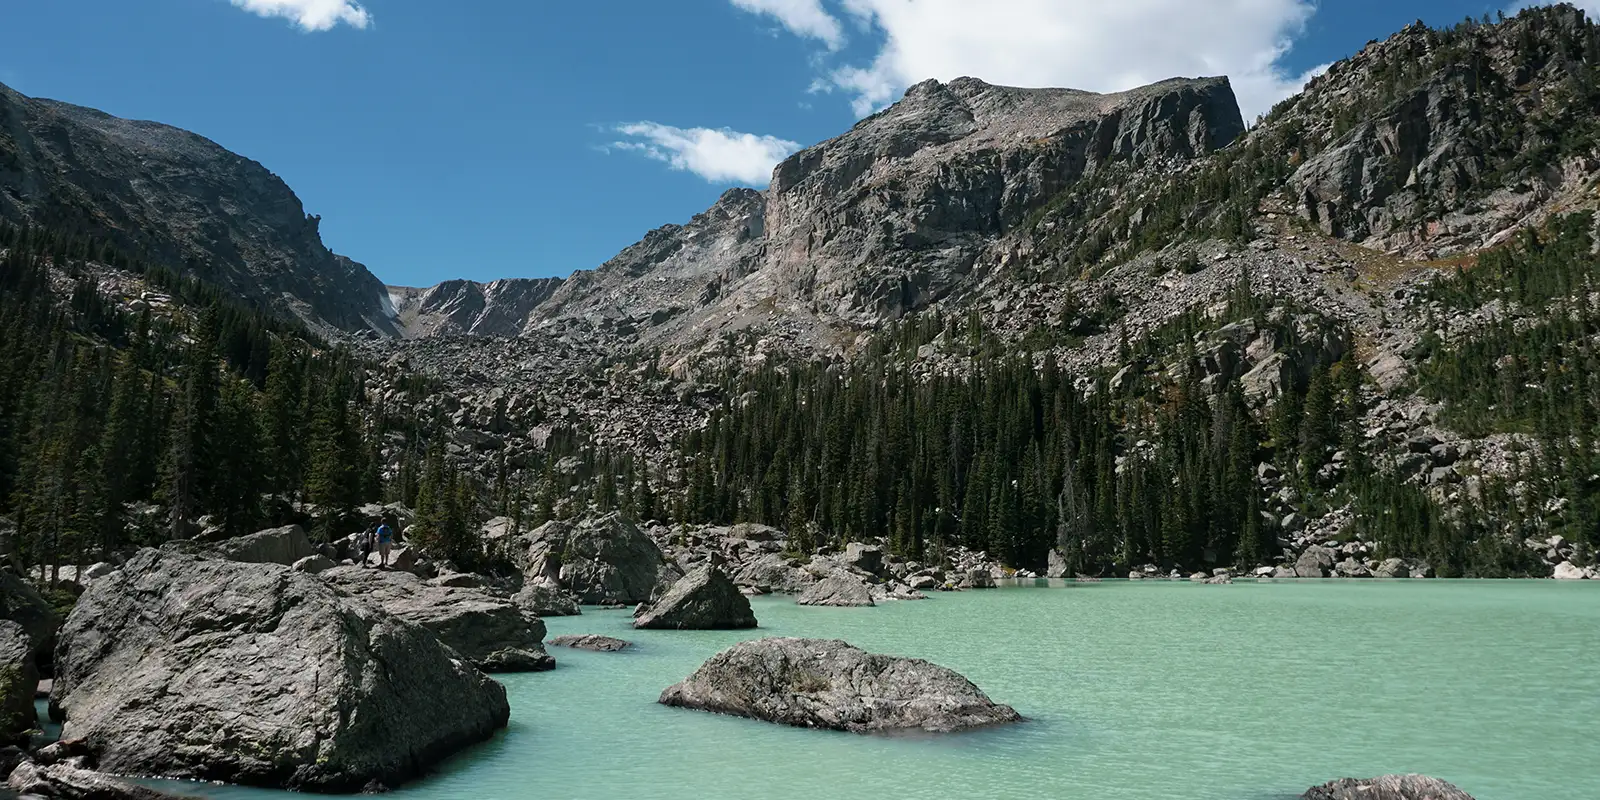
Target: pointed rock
{"x":705,"y":599}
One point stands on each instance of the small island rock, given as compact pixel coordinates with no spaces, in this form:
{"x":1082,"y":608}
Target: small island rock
{"x":823,"y":683}
{"x":591,"y":641}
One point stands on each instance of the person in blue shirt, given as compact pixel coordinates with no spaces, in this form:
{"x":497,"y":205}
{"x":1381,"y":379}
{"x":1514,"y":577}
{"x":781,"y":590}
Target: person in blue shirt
{"x":385,"y":540}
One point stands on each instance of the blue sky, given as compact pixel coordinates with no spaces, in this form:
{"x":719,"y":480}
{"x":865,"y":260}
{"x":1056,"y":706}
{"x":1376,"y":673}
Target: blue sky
{"x":524,"y":138}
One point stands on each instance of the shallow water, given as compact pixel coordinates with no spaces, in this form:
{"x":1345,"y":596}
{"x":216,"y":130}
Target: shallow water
{"x":1132,"y":690}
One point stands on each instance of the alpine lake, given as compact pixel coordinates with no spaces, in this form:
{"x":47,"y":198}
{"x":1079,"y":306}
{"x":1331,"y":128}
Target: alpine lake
{"x":1132,"y":690}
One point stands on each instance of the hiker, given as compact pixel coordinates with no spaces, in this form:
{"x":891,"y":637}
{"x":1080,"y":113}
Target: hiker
{"x":366,"y":541}
{"x":385,"y":540}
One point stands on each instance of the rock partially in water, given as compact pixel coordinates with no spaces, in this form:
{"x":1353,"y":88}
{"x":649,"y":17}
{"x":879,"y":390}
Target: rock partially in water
{"x":497,"y":635}
{"x":822,"y":683}
{"x":1387,"y":787}
{"x":591,"y":641}
{"x":1567,"y":571}
{"x":978,"y":578}
{"x":211,"y":670}
{"x":1391,"y":568}
{"x":837,"y":590}
{"x":546,"y":598}
{"x":19,"y":681}
{"x":705,"y":599}
{"x":1314,"y":562}
{"x":66,"y":782}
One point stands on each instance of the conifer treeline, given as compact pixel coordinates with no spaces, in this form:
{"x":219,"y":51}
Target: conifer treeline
{"x":210,"y":408}
{"x":1014,"y":457}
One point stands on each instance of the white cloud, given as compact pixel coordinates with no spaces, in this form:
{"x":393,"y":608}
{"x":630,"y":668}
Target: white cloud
{"x":804,"y":18}
{"x":1083,"y":44}
{"x":310,"y":15}
{"x":719,"y":156}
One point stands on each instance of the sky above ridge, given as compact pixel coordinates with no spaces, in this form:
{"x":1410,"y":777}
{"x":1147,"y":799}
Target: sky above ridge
{"x":506,"y":138}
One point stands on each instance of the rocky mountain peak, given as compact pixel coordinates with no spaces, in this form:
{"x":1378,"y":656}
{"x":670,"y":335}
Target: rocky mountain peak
{"x":182,"y":200}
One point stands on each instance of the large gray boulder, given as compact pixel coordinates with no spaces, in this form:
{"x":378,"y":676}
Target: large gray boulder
{"x":1314,"y":562}
{"x":821,"y":683}
{"x":604,"y":561}
{"x":495,"y":634}
{"x":19,"y":681}
{"x":837,"y":590}
{"x":66,"y":782}
{"x":546,"y":598}
{"x":1387,"y":787}
{"x":22,"y":604}
{"x":705,"y":599}
{"x":183,"y":667}
{"x":284,"y":546}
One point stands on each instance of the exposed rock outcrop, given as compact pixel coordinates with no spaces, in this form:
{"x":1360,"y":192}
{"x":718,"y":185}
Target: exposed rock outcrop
{"x":495,"y":634}
{"x":818,"y":683}
{"x":1387,"y":787}
{"x":705,"y":599}
{"x":284,"y":546}
{"x":214,"y":670}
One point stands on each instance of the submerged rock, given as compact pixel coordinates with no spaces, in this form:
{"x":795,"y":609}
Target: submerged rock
{"x":19,"y":681}
{"x":837,"y":590}
{"x":495,"y":634}
{"x":181,"y":667}
{"x":591,"y":641}
{"x":1387,"y":787}
{"x":822,"y":683}
{"x":705,"y":599}
{"x":546,"y":598}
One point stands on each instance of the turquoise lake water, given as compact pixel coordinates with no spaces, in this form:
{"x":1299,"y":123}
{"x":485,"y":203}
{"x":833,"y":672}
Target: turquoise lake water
{"x":1132,"y":690}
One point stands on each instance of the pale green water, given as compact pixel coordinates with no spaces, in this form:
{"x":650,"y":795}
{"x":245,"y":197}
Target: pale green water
{"x":1137,"y":691}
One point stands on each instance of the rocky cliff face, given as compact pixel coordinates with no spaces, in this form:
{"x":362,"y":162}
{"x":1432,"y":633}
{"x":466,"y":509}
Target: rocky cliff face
{"x":1437,"y":141}
{"x":185,"y":202}
{"x":899,"y":212}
